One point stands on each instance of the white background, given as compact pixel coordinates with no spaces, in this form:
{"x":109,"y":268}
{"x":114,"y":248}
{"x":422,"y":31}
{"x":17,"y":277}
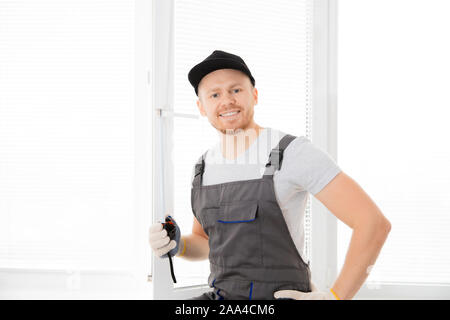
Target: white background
{"x":79,"y":86}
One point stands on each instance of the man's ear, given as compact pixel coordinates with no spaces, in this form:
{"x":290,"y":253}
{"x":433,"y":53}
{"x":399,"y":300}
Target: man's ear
{"x":201,"y":108}
{"x":255,"y":95}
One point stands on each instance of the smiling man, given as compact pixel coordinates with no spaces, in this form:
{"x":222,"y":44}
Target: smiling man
{"x":249,"y":194}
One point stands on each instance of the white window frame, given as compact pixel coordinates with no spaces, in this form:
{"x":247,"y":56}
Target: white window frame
{"x":33,"y":283}
{"x":323,"y":135}
{"x":163,"y":62}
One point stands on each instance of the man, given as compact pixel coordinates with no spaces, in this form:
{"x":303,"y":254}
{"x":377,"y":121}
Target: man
{"x":248,"y":218}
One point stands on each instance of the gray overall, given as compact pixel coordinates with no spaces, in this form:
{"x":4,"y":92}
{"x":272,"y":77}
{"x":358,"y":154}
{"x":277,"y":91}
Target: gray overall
{"x":252,"y":254}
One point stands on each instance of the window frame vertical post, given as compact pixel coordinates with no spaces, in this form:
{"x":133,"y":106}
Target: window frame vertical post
{"x":324,"y":136}
{"x":162,"y":110}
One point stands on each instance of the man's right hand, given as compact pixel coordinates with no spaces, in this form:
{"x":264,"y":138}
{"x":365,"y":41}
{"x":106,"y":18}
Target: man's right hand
{"x":160,"y":241}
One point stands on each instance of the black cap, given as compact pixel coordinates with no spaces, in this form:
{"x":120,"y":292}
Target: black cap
{"x":217,"y":60}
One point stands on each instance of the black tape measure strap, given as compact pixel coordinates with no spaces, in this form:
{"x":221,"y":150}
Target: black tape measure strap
{"x":171,"y":232}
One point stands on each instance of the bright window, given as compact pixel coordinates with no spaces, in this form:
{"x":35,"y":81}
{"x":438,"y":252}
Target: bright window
{"x":393,"y":114}
{"x":67,"y":163}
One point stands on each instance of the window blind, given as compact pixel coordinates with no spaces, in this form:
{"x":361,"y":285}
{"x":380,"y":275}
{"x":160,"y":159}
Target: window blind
{"x":274,"y":39}
{"x":66,"y":134}
{"x":393,"y":130}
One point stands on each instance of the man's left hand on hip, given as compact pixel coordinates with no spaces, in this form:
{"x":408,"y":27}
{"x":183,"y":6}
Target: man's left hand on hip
{"x":315,"y":294}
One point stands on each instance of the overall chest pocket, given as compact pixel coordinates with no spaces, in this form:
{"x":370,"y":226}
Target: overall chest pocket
{"x":235,"y":237}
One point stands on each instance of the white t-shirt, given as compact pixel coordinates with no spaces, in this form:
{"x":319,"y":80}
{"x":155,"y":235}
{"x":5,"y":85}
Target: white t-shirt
{"x":305,"y":168}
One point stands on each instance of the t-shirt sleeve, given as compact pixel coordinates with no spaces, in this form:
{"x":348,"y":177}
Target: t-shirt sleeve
{"x":311,"y":168}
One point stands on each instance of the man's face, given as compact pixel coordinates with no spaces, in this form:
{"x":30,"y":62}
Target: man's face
{"x":227,"y":98}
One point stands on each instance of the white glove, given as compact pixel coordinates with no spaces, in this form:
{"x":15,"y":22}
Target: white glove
{"x":315,"y":294}
{"x":159,"y":240}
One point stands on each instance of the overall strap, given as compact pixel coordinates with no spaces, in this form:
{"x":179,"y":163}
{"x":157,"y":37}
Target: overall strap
{"x":276,"y":156}
{"x":199,"y":169}
{"x":273,"y":164}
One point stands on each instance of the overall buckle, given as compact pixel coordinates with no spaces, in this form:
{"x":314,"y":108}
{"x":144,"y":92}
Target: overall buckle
{"x":275,"y":155}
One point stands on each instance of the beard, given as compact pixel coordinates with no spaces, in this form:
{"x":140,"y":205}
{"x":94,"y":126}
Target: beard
{"x":231,"y":132}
